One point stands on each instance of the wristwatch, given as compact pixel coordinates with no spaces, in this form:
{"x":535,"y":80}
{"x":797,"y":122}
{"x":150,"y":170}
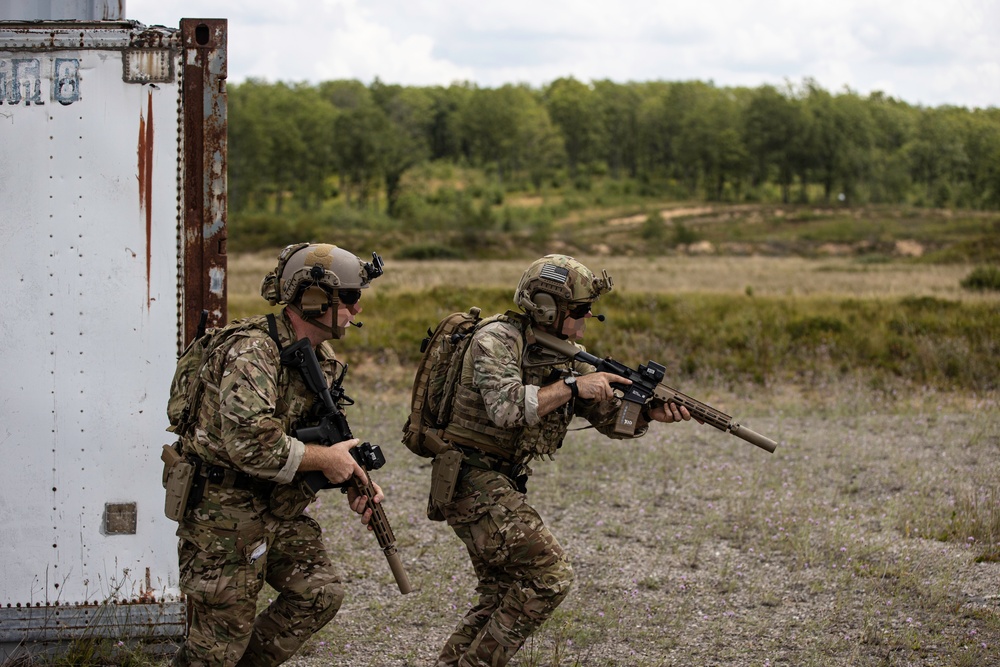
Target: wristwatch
{"x":570,"y":381}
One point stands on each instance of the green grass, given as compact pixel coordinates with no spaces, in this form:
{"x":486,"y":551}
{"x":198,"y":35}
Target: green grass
{"x":464,"y":217}
{"x":735,"y":339}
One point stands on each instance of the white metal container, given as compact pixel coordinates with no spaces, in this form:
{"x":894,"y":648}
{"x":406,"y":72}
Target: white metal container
{"x":113,"y":223}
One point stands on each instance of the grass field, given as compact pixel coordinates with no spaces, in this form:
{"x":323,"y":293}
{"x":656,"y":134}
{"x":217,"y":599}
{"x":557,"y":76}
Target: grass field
{"x":870,"y":537}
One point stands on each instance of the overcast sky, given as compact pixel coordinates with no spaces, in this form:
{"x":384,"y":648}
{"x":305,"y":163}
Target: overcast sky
{"x":927,"y":52}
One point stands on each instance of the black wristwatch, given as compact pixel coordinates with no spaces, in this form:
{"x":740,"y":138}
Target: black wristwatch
{"x":570,"y":381}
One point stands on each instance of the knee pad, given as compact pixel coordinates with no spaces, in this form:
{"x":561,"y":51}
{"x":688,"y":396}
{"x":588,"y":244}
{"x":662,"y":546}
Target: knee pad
{"x":328,"y":598}
{"x":555,"y":581}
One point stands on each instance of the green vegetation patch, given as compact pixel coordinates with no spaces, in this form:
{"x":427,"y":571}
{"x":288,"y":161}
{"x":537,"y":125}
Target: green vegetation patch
{"x":740,"y":339}
{"x":983,"y":278}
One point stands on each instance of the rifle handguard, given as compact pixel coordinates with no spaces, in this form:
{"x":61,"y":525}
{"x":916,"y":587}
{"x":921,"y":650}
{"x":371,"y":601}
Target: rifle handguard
{"x":647,"y":386}
{"x":383,"y":533}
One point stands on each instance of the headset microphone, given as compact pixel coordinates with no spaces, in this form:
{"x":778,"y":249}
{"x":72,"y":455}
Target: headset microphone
{"x":357,"y":324}
{"x":600,"y":318}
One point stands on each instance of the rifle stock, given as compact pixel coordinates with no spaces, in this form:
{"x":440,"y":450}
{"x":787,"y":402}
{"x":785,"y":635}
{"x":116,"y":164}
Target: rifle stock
{"x":647,"y":387}
{"x":333,"y":428}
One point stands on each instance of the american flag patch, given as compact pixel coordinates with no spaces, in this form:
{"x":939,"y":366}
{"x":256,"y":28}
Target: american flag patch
{"x":556,"y":274}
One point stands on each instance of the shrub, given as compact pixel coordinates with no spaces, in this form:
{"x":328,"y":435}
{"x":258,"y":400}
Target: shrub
{"x":983,"y":278}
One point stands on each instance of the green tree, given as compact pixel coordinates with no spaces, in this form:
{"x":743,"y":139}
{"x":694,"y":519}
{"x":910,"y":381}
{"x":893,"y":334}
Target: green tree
{"x":492,"y":122}
{"x":542,"y":150}
{"x":572,"y":107}
{"x":410,"y":115}
{"x":617,"y":108}
{"x":937,"y":154}
{"x":983,"y":150}
{"x":345,"y":94}
{"x":892,"y":122}
{"x":250,"y":145}
{"x":445,"y":140}
{"x":772,"y":123}
{"x":281,"y":138}
{"x":357,"y":134}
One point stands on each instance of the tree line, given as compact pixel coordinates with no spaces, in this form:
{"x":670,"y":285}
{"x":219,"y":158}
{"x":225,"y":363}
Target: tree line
{"x":304,"y":143}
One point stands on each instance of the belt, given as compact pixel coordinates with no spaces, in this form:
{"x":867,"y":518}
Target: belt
{"x":480,"y":459}
{"x":232,"y":479}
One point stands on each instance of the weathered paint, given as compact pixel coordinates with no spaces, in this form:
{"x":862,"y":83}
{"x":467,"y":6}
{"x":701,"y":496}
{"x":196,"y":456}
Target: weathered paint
{"x":145,"y":167}
{"x":99,"y":213}
{"x":53,"y":10}
{"x":205,"y":101}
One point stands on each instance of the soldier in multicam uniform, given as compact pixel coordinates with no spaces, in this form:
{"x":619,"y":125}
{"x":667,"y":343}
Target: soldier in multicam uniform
{"x":249,"y":525}
{"x":514,"y":403}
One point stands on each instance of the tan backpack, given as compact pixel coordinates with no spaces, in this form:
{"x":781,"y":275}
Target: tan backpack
{"x":433,"y":386}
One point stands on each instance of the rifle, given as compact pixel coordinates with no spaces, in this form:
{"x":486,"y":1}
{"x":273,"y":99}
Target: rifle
{"x":647,"y":387}
{"x":333,"y":428}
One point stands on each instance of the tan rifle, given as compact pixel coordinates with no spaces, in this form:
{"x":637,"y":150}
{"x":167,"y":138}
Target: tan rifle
{"x":647,"y":388}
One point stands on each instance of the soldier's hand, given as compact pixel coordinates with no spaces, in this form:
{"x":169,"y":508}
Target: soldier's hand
{"x":339,"y":465}
{"x":359,"y":502}
{"x":597,"y":386}
{"x":669,"y":413}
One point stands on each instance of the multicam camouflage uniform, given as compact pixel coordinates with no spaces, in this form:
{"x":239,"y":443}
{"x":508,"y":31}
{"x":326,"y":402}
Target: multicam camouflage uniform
{"x":249,"y":528}
{"x":523,"y":571}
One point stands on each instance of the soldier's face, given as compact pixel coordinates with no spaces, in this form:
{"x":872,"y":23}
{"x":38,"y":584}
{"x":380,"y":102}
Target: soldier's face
{"x":573,"y":327}
{"x":346,"y":313}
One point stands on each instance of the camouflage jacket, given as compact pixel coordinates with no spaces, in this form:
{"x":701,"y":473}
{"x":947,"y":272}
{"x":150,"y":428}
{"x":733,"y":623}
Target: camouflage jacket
{"x":251,"y":402}
{"x":501,"y":377}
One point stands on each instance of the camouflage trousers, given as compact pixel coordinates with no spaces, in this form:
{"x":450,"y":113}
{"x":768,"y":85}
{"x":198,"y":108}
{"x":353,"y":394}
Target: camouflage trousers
{"x":523,"y":576}
{"x":226,"y":554}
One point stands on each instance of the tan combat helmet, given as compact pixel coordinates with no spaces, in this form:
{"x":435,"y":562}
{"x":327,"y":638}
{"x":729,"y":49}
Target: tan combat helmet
{"x":310,"y":277}
{"x":556,"y":284}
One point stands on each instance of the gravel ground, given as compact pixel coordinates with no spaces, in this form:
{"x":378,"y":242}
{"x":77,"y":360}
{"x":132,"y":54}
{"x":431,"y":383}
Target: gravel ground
{"x":692,"y":547}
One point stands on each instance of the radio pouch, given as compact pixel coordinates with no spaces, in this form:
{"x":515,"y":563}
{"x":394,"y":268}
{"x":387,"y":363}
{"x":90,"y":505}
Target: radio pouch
{"x":445,"y":471}
{"x":178,"y":478}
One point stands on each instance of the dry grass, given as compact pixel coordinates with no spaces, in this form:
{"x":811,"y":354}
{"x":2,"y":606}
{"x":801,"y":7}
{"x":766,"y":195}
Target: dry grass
{"x":847,"y":547}
{"x":763,"y":275}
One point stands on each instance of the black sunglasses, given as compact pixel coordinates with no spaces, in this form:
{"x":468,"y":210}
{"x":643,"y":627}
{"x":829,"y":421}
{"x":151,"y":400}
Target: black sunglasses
{"x":580,"y":311}
{"x":349,"y":297}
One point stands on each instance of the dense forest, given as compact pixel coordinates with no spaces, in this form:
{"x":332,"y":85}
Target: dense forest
{"x":391,"y":153}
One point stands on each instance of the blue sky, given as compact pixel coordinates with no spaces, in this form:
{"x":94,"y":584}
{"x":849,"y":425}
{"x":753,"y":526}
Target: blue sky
{"x":924,"y":52}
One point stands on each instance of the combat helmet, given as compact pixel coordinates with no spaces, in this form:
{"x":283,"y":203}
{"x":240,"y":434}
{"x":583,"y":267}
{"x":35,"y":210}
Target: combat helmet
{"x":554,"y":285}
{"x":309,"y":278}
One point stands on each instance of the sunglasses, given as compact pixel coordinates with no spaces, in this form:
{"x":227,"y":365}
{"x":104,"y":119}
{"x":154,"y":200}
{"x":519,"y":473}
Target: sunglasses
{"x":349,"y":297}
{"x":580,"y":311}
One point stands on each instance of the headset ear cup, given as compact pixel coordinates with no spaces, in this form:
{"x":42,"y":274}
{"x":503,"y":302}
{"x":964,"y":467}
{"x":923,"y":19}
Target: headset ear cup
{"x":269,"y":288}
{"x":546,"y":310}
{"x":314,"y":301}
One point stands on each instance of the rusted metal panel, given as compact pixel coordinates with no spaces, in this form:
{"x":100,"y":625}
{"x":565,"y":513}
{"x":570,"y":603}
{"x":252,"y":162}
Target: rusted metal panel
{"x":115,"y":207}
{"x":27,"y":624}
{"x":205,"y":151}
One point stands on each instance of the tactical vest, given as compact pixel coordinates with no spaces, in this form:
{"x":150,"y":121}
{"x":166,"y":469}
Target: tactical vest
{"x":470,"y":423}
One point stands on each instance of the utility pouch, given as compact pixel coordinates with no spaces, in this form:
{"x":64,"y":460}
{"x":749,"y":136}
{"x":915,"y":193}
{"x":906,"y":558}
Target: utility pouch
{"x":178,"y":478}
{"x":445,"y":471}
{"x":287,"y":501}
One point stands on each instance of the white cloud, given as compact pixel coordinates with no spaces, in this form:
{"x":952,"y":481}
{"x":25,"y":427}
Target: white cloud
{"x":925,"y":52}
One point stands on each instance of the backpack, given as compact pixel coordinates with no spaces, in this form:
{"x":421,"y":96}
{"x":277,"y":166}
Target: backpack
{"x":185,"y":388}
{"x":433,"y":386}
